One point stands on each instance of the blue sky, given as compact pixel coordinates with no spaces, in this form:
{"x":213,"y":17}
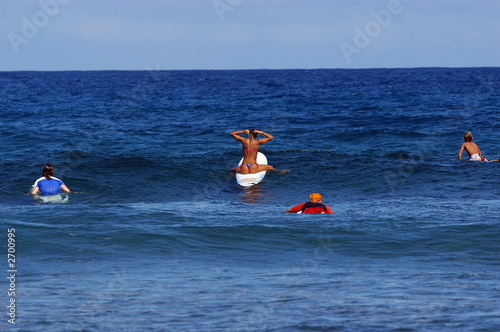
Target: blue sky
{"x":247,"y":34}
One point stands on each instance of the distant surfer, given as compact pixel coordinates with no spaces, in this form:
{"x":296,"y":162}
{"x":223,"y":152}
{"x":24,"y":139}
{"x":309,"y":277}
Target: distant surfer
{"x":471,"y":148}
{"x":250,"y":151}
{"x":48,"y":184}
{"x":313,"y":206}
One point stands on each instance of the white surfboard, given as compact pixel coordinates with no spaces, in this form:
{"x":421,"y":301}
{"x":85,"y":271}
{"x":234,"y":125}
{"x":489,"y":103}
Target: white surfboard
{"x":248,"y":180}
{"x":53,"y":199}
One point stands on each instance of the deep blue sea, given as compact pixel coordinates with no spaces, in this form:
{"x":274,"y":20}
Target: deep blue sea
{"x":157,"y":236}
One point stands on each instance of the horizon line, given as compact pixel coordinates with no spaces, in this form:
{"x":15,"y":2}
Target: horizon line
{"x":245,"y":69}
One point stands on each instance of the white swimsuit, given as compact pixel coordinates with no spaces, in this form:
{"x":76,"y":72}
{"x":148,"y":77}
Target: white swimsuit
{"x":477,"y":157}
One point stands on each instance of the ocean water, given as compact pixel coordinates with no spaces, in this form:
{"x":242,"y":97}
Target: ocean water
{"x":157,"y":236}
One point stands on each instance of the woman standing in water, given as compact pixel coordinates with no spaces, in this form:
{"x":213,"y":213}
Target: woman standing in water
{"x":48,"y":184}
{"x":250,"y":151}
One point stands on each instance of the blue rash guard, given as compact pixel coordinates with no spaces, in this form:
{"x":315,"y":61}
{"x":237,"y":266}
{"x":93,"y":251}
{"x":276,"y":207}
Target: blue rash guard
{"x":49,"y":187}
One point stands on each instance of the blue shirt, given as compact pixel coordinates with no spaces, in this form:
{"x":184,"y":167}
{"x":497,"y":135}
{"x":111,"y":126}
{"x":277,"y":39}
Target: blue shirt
{"x":49,"y":187}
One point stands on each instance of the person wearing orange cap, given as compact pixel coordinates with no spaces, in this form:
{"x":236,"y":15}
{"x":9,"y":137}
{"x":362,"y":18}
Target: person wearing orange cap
{"x":314,"y":206}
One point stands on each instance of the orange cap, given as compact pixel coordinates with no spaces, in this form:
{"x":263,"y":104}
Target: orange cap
{"x":315,"y":197}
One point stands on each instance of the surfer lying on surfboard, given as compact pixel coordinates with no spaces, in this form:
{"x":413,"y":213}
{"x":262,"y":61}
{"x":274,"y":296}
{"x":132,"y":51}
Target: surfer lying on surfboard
{"x":48,"y":184}
{"x":471,"y":148}
{"x":250,"y":151}
{"x":314,"y":206}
